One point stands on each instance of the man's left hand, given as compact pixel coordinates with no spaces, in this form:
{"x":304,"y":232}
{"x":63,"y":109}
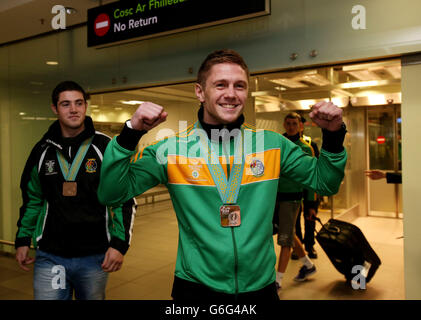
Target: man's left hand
{"x":113,"y":260}
{"x":327,"y":115}
{"x":312,"y":214}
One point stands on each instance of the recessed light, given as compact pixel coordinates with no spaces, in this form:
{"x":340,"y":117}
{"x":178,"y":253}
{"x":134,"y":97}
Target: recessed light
{"x":36,"y":83}
{"x":132,"y":102}
{"x":52,"y":63}
{"x":359,"y":84}
{"x":118,"y":108}
{"x":70,"y":10}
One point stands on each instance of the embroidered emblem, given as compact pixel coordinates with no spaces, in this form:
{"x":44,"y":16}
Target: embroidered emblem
{"x":195,"y":174}
{"x":50,"y":167}
{"x":91,"y":166}
{"x":257,"y":168}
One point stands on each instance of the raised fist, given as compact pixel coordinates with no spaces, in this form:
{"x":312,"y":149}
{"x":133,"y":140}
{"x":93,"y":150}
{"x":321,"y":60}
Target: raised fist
{"x":327,"y":115}
{"x":147,"y":116}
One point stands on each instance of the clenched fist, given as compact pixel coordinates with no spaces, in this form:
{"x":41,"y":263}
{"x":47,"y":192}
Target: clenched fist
{"x":147,"y":116}
{"x":327,"y":115}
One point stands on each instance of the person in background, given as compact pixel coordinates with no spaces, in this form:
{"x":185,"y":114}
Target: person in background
{"x":310,"y":207}
{"x":389,"y":176}
{"x":289,"y":199}
{"x":78,"y":241}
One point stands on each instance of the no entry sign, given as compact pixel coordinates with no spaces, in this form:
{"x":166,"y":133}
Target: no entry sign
{"x":102,"y":24}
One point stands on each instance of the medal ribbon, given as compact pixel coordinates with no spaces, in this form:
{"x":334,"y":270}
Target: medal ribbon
{"x":228,"y":189}
{"x":70,"y":172}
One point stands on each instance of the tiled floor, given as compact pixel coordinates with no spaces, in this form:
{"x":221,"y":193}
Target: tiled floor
{"x":148,"y":268}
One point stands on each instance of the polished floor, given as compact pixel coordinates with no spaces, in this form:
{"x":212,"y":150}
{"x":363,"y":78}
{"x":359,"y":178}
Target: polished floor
{"x":148,"y":268}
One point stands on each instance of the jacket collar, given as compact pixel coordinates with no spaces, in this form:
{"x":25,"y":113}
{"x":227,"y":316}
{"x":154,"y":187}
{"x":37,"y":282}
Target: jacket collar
{"x":209,"y":127}
{"x":55,"y":137}
{"x":292,"y":138}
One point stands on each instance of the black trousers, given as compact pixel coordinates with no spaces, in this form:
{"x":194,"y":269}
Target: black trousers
{"x":309,"y":228}
{"x":186,"y":291}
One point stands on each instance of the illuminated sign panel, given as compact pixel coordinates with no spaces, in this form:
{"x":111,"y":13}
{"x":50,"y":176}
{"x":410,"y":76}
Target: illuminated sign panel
{"x":140,"y":19}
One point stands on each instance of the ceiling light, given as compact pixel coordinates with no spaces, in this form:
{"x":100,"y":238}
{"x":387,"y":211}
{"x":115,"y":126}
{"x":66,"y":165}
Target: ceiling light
{"x":36,"y":83}
{"x":341,"y":102}
{"x":70,"y":10}
{"x":118,"y":108}
{"x":52,"y":63}
{"x":132,"y":102}
{"x":359,"y":84}
{"x":377,"y":99}
{"x":94,"y":106}
{"x":280,"y":88}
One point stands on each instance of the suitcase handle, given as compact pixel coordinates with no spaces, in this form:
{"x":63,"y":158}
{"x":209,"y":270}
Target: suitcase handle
{"x":330,"y":229}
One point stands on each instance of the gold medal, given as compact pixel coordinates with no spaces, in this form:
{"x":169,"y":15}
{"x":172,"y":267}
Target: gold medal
{"x":230,"y":215}
{"x":69,"y":188}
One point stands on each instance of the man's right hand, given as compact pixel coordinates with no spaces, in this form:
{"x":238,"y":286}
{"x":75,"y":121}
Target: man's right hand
{"x":147,"y":116}
{"x":22,"y":257}
{"x":375,"y":174}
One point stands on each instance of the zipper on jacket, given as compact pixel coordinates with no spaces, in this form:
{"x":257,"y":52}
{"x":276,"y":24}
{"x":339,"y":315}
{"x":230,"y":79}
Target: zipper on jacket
{"x":235,"y":263}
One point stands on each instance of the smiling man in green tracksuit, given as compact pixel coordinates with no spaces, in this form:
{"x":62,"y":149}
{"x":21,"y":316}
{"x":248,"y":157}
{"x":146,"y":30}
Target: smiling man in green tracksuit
{"x":222,"y":175}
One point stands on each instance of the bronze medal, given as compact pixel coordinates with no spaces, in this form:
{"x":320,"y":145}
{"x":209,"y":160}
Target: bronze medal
{"x":230,"y":215}
{"x":69,"y":188}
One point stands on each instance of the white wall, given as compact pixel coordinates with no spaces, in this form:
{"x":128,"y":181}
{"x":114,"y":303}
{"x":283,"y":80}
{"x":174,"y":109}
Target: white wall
{"x":411,"y":175}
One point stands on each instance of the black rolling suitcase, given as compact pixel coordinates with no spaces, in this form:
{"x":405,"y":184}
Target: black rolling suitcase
{"x":347,"y":247}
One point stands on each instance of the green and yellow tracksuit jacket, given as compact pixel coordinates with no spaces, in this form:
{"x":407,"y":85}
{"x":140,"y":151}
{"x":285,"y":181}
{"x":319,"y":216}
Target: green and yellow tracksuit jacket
{"x":70,"y":226}
{"x":289,"y":190}
{"x":226,"y":259}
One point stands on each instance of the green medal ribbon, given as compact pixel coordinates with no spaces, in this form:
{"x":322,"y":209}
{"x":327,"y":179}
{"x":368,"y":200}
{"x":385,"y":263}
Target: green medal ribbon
{"x":228,"y":189}
{"x":70,"y":172}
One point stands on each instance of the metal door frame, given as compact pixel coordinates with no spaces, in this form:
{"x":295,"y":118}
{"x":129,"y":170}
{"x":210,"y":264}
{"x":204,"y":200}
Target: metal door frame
{"x":396,"y":110}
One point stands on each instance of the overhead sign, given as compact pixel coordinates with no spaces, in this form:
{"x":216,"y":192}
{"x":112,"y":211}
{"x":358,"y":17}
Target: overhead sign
{"x":122,"y":21}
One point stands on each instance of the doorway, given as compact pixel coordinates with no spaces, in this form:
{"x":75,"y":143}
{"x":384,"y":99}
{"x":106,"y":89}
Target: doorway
{"x":384,"y":153}
{"x":362,"y":90}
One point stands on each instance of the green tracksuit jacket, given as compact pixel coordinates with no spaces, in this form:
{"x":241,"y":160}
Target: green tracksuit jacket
{"x":70,"y":226}
{"x":226,"y":259}
{"x":290,"y":190}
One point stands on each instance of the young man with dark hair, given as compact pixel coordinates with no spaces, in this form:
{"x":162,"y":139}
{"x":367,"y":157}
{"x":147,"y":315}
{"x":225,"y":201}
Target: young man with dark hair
{"x":78,"y":240}
{"x":223,"y":191}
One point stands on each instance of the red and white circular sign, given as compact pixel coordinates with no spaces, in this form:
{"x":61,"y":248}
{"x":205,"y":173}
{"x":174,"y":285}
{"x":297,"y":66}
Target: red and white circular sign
{"x":381,"y":139}
{"x":102,"y":24}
